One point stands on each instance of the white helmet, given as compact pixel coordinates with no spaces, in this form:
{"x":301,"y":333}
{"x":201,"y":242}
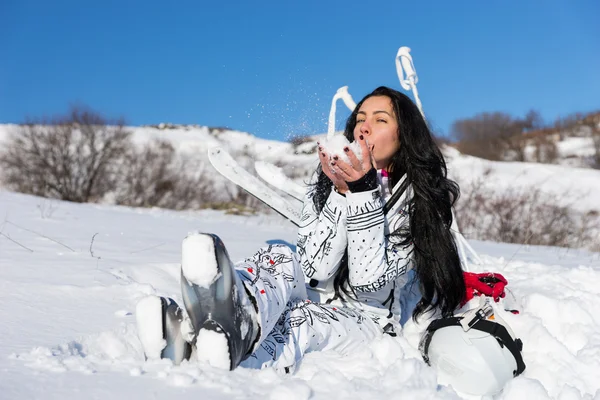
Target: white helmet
{"x":476,"y":353}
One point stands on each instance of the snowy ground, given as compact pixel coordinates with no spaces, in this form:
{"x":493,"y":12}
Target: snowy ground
{"x":70,"y":275}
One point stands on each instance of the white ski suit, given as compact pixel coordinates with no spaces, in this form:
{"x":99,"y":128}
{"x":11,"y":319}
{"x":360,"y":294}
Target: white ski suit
{"x":295,"y":321}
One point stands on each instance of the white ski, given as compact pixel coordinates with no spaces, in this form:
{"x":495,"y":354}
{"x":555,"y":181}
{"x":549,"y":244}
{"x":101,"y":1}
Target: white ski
{"x":230,"y":169}
{"x":275,"y":176}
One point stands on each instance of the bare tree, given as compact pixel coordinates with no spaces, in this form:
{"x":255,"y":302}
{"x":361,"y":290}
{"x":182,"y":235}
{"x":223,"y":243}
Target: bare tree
{"x":522,"y":215}
{"x":496,"y":136}
{"x":579,"y":124}
{"x":477,"y":136}
{"x":533,"y":121}
{"x":156,"y":176}
{"x":490,"y":136}
{"x":514,"y":146}
{"x":596,"y":140}
{"x":71,"y":157}
{"x":298,"y":140}
{"x":592,"y":122}
{"x":569,"y":124}
{"x":546,"y":150}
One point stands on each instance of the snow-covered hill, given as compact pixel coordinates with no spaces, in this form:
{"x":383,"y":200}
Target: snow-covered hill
{"x":574,"y":151}
{"x":580,"y":186}
{"x":577,"y":188}
{"x":70,"y":275}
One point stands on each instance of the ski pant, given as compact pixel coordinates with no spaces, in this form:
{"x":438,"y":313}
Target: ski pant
{"x":291,"y":325}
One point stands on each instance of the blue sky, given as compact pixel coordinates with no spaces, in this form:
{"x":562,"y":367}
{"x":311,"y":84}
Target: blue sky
{"x":271,"y":67}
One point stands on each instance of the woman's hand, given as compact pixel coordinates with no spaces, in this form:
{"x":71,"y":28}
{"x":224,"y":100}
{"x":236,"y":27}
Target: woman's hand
{"x":357,"y":168}
{"x":338,"y":182}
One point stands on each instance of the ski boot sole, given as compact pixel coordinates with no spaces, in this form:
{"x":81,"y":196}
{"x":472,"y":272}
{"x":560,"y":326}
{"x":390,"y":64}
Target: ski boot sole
{"x":159,"y":328}
{"x":218,"y":311}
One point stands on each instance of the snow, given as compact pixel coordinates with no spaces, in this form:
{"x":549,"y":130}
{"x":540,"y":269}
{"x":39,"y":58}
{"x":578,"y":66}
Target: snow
{"x":572,"y":151}
{"x":334,"y":146}
{"x":148,"y":317}
{"x":576,"y":188}
{"x":213,"y":349}
{"x":576,"y":147}
{"x":68,"y":314}
{"x":198,"y":260}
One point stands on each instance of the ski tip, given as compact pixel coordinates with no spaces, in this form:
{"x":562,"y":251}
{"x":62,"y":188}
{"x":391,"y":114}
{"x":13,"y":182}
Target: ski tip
{"x":214,"y":150}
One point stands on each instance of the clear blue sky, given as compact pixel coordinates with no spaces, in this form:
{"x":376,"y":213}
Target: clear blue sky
{"x":271,"y":67}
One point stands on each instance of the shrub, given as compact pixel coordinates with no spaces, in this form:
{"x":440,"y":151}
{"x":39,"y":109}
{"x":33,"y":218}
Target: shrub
{"x":72,"y":157}
{"x":522,"y":215}
{"x":156,"y":176}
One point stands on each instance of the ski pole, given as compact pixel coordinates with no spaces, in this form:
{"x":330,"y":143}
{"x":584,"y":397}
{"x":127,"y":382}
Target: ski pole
{"x":342,"y":93}
{"x":404,"y":64}
{"x":404,"y":61}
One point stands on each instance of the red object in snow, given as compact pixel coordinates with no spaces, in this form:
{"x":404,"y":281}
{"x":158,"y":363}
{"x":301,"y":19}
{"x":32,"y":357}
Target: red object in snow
{"x":488,"y":284}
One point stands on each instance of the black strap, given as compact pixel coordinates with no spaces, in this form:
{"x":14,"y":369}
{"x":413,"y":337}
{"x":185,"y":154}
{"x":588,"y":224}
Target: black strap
{"x":495,"y":329}
{"x":393,"y":199}
{"x":434,"y":326}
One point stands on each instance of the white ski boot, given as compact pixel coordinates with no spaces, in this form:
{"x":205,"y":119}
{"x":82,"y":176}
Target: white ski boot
{"x":222,"y":312}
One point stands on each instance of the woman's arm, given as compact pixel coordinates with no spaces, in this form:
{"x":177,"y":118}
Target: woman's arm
{"x":322,"y":237}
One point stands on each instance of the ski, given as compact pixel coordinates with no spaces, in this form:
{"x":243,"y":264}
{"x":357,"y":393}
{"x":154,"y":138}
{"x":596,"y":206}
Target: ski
{"x":275,"y":176}
{"x":230,"y":169}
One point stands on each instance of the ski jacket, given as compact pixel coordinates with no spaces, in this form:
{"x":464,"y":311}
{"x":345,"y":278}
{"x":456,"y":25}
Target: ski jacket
{"x":377,"y":262}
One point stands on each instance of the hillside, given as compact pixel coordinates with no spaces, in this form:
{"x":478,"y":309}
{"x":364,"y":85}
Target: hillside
{"x":575,"y":188}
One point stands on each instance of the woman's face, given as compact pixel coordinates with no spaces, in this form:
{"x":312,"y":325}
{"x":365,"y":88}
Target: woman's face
{"x":377,"y":122}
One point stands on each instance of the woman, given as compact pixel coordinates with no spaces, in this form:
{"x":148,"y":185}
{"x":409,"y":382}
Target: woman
{"x":355,"y":244}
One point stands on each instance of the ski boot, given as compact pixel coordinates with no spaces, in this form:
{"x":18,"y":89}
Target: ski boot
{"x":162,"y":329}
{"x":222,"y":312}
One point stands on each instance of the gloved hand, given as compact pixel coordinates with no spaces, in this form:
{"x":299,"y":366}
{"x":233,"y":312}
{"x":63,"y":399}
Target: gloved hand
{"x":487,"y":284}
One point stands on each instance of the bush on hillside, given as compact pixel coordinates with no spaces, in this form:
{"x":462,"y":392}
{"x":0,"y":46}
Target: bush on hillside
{"x":495,"y":136}
{"x":586,"y":125}
{"x":546,"y":150}
{"x":523,"y":215}
{"x":83,"y":157}
{"x":592,"y":122}
{"x":73,"y":157}
{"x":155,"y":175}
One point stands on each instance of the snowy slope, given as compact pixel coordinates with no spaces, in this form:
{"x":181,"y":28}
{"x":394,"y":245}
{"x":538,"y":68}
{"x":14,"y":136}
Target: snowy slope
{"x":578,"y":188}
{"x":575,"y":147}
{"x":70,"y":275}
{"x":572,"y":151}
{"x":580,"y":184}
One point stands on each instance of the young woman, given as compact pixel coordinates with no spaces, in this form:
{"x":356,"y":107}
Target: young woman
{"x":365,"y":223}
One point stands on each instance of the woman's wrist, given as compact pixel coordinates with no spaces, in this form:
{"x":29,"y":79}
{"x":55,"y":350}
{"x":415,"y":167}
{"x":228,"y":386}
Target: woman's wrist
{"x":340,"y":191}
{"x":366,"y":183}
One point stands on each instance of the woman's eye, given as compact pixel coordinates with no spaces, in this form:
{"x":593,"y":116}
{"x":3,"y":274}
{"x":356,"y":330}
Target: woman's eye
{"x":360,"y":120}
{"x":381,"y":120}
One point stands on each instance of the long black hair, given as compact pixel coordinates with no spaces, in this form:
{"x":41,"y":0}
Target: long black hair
{"x":437,"y":263}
